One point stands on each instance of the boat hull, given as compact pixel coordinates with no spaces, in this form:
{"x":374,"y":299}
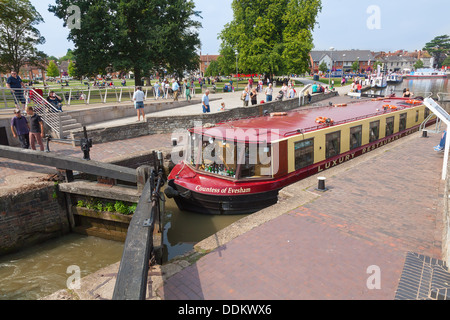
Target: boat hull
{"x":223,"y":205}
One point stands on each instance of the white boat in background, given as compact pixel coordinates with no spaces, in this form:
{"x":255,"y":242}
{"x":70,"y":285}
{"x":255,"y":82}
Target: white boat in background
{"x":426,"y":74}
{"x":395,"y":78}
{"x":379,"y":82}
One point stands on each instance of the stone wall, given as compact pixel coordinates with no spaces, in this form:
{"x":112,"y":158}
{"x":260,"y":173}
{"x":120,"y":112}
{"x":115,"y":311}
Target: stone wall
{"x":31,"y":217}
{"x":160,"y":125}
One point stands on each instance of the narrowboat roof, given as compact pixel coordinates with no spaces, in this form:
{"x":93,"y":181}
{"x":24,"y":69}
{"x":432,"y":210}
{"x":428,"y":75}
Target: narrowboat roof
{"x":278,"y":126}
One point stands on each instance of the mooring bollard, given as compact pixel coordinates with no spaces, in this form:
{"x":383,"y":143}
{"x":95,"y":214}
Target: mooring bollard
{"x":424,"y":134}
{"x":174,"y":142}
{"x":321,"y":186}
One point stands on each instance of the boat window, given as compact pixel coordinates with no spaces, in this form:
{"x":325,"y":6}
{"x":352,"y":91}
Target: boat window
{"x":219,"y":157}
{"x":374,"y":131}
{"x":426,"y":113}
{"x":355,"y":137}
{"x":403,"y":118}
{"x":333,"y":144}
{"x":255,"y":161}
{"x":304,"y":153}
{"x":389,"y":126}
{"x":417,"y":116}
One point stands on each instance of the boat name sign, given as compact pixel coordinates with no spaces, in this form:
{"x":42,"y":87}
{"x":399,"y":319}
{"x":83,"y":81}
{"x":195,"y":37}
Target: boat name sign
{"x":225,"y":190}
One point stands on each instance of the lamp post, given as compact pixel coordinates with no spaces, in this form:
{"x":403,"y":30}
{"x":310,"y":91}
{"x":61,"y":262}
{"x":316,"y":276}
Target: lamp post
{"x":237,"y":81}
{"x":343,"y":59}
{"x":331,"y":69}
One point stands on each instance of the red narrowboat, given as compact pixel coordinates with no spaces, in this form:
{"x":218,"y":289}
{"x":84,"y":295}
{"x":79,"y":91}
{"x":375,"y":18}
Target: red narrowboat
{"x":239,"y":167}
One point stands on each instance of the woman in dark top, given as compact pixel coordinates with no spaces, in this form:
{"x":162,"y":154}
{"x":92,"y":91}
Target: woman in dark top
{"x":54,"y":100}
{"x":253,"y":97}
{"x":407,"y":94}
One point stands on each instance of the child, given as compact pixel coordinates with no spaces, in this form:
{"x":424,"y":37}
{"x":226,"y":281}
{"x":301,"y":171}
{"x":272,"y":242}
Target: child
{"x":222,"y":106}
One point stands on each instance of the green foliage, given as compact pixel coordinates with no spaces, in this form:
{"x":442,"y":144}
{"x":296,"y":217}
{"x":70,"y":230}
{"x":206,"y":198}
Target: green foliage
{"x":81,"y":204}
{"x":133,"y":35}
{"x":52,"y":69}
{"x":446,"y":61}
{"x":71,"y":69}
{"x":132,"y":208}
{"x":355,"y":66}
{"x":122,"y":208}
{"x":109,"y":207}
{"x":418,"y":64}
{"x":213,"y":69}
{"x":439,"y":48}
{"x":119,"y":206}
{"x":19,"y":35}
{"x":323,"y":67}
{"x":271,"y":36}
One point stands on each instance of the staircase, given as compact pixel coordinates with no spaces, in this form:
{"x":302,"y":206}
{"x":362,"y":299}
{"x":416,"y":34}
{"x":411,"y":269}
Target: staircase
{"x":60,"y":123}
{"x":68,"y":124}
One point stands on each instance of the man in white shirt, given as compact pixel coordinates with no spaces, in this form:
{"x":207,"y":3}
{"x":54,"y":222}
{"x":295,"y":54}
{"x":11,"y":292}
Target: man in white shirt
{"x":175,"y":88}
{"x":138,"y":99}
{"x":205,"y":102}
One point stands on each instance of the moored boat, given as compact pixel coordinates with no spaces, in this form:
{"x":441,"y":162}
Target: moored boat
{"x":379,"y":82}
{"x":394,"y":78}
{"x":426,"y":74}
{"x":239,"y":167}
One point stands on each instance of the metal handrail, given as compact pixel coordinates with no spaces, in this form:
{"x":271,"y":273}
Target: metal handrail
{"x":441,"y":96}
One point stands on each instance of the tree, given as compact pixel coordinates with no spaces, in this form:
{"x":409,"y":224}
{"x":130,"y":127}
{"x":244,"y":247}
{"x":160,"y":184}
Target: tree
{"x":418,"y":64}
{"x":439,"y":48}
{"x":52,"y":69}
{"x":323,"y":67}
{"x":446,"y":62}
{"x":355,"y":66}
{"x":19,"y":36}
{"x":142,"y":36}
{"x":71,"y":69}
{"x":213,"y":69}
{"x":67,"y":57}
{"x":270,"y":36}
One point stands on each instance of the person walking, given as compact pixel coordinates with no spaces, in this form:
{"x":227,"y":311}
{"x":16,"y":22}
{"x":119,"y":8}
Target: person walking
{"x":254,"y":97}
{"x":175,"y":89}
{"x":36,"y":129}
{"x":245,"y":97}
{"x":14,"y":82}
{"x":138,"y":99}
{"x":269,"y":93}
{"x":188,"y":90}
{"x":21,"y":129}
{"x":205,"y":102}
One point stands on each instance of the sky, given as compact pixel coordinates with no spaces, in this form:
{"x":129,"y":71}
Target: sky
{"x":376,"y":25}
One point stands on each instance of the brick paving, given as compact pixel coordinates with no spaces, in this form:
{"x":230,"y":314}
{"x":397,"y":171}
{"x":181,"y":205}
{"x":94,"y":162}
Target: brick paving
{"x":374,"y":214}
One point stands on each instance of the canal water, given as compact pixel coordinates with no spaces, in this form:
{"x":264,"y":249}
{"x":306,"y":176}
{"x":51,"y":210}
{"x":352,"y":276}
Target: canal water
{"x":43,"y":269}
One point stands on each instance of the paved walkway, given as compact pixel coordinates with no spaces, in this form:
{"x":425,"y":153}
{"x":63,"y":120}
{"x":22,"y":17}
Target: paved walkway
{"x":377,"y":209}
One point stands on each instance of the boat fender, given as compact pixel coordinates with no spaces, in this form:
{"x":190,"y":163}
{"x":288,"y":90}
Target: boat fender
{"x":321,"y":120}
{"x":278,"y":114}
{"x":340,"y":105}
{"x":171,"y":193}
{"x":388,"y":106}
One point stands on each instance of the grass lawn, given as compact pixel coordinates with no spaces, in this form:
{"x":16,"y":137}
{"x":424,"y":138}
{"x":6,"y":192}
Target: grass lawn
{"x":337,"y":81}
